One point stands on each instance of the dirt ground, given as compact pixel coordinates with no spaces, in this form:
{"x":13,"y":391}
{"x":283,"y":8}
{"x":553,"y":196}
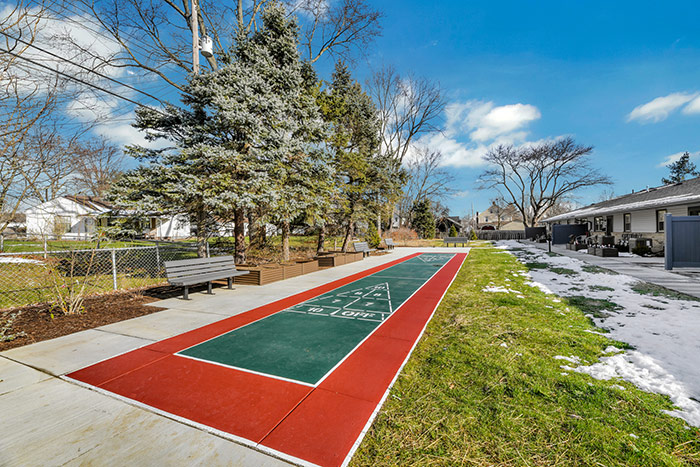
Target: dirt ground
{"x":27,"y":325}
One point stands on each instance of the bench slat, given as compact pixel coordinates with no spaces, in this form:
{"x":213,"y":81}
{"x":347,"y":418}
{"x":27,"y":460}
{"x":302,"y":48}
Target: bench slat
{"x":194,"y":261}
{"x":198,"y":268}
{"x":205,"y":278}
{"x":220,"y":271}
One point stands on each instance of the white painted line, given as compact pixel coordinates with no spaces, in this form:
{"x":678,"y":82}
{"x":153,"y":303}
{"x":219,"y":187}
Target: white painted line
{"x":382,"y":323}
{"x":246,"y":370}
{"x":200,"y":426}
{"x":398,"y":372}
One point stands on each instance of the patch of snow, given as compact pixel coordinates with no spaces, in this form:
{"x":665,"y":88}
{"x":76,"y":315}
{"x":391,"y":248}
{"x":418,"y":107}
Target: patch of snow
{"x":572,"y":359}
{"x":503,"y":344}
{"x":645,"y":373}
{"x":13,"y":260}
{"x":539,"y":285}
{"x":662,"y":329}
{"x":617,"y":386}
{"x":494,"y":288}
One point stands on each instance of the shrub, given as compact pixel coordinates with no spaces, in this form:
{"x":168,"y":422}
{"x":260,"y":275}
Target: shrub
{"x":404,"y":233}
{"x":453,"y":231}
{"x":473,"y":235}
{"x":373,"y":239}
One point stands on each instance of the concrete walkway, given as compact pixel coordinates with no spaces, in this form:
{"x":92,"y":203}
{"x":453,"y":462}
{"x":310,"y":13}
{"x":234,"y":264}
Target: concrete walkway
{"x":650,"y":270}
{"x":49,"y":421}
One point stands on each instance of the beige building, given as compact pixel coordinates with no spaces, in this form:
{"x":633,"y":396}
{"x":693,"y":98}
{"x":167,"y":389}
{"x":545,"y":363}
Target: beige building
{"x":500,"y":218}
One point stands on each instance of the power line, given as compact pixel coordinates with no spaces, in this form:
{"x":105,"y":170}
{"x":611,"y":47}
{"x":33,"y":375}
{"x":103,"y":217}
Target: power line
{"x":86,"y":83}
{"x":81,"y":66}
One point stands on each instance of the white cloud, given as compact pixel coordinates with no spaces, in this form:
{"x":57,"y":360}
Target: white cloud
{"x":504,"y":120}
{"x":455,"y":153}
{"x":660,"y":108}
{"x":486,"y":124}
{"x":674,"y":157}
{"x":693,"y":107}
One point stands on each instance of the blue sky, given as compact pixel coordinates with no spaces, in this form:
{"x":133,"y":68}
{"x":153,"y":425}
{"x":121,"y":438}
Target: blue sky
{"x":623,"y":76}
{"x":554,"y":68}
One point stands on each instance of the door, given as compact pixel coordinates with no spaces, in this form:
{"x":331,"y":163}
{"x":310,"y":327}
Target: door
{"x":609,"y":225}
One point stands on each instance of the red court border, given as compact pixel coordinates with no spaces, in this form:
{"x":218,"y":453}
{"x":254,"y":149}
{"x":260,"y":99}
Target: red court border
{"x":307,"y":425}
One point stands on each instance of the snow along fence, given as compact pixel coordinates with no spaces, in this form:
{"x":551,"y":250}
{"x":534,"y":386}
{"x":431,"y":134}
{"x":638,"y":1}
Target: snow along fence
{"x":682,"y":249}
{"x":34,"y":277}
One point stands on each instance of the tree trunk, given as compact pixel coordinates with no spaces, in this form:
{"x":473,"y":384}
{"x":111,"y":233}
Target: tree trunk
{"x":252,"y":228}
{"x":239,"y":234}
{"x":348,"y":236}
{"x":201,"y":235}
{"x":321,"y":239}
{"x":260,"y":236}
{"x":286,"y":229}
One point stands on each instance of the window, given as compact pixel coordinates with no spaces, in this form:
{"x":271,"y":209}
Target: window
{"x":694,"y":211}
{"x":660,"y":220}
{"x":627,"y":222}
{"x":62,"y":225}
{"x":598,"y":224}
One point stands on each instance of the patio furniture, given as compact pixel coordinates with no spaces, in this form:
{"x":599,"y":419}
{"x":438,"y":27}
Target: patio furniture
{"x":186,"y":272}
{"x":456,"y":240}
{"x":363,"y":247}
{"x":389,"y":243}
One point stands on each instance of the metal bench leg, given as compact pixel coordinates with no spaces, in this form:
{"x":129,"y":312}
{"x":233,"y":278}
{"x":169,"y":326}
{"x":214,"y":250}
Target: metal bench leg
{"x":230,"y":282}
{"x":209,"y":288}
{"x":186,"y":295}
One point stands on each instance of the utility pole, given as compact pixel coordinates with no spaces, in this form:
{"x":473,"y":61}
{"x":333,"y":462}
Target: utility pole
{"x":195,"y":38}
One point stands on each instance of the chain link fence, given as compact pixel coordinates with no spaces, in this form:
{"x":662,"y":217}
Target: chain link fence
{"x":37,"y":277}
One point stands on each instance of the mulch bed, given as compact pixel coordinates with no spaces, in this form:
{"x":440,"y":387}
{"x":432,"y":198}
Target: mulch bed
{"x":34,"y":323}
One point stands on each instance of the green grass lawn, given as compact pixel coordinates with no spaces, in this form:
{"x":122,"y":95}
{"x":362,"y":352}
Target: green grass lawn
{"x":15,"y":246}
{"x":483,"y":388}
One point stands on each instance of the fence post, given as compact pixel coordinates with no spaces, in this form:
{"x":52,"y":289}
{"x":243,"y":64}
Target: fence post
{"x":114,"y":268}
{"x":45,"y":248}
{"x":157,"y":258}
{"x":668,"y":247}
{"x":2,"y":242}
{"x":207,"y":248}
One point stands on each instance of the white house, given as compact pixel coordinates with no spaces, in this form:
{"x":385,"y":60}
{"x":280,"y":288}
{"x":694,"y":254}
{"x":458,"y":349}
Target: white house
{"x":67,"y":217}
{"x":640,"y":214}
{"x":78,"y":217}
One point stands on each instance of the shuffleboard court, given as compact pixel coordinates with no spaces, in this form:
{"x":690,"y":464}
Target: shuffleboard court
{"x":304,"y":342}
{"x":300,"y":378}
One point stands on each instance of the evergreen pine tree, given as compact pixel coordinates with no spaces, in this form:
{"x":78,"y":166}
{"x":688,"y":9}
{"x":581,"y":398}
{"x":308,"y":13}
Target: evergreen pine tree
{"x":423,"y":220}
{"x":366,"y":179}
{"x":680,"y":170}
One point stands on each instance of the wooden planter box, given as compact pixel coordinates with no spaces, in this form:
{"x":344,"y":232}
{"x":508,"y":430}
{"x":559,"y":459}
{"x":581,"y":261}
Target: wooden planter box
{"x":336,"y":259}
{"x":308,"y":266}
{"x":592,"y":250}
{"x":260,"y":275}
{"x":575,"y":246}
{"x":607,"y":252}
{"x":353,"y":256}
{"x":292,"y":270}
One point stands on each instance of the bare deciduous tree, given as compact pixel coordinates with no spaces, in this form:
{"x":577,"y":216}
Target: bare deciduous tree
{"x":426,"y":179}
{"x":408,"y":108}
{"x":25,"y":102}
{"x":337,"y":27}
{"x":156,"y":37}
{"x":98,"y":164}
{"x":535,"y":178}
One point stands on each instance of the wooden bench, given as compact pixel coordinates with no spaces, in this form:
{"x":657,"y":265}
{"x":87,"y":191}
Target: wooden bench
{"x":364,"y":248}
{"x":389,"y":243}
{"x":186,"y":272}
{"x":456,"y":240}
